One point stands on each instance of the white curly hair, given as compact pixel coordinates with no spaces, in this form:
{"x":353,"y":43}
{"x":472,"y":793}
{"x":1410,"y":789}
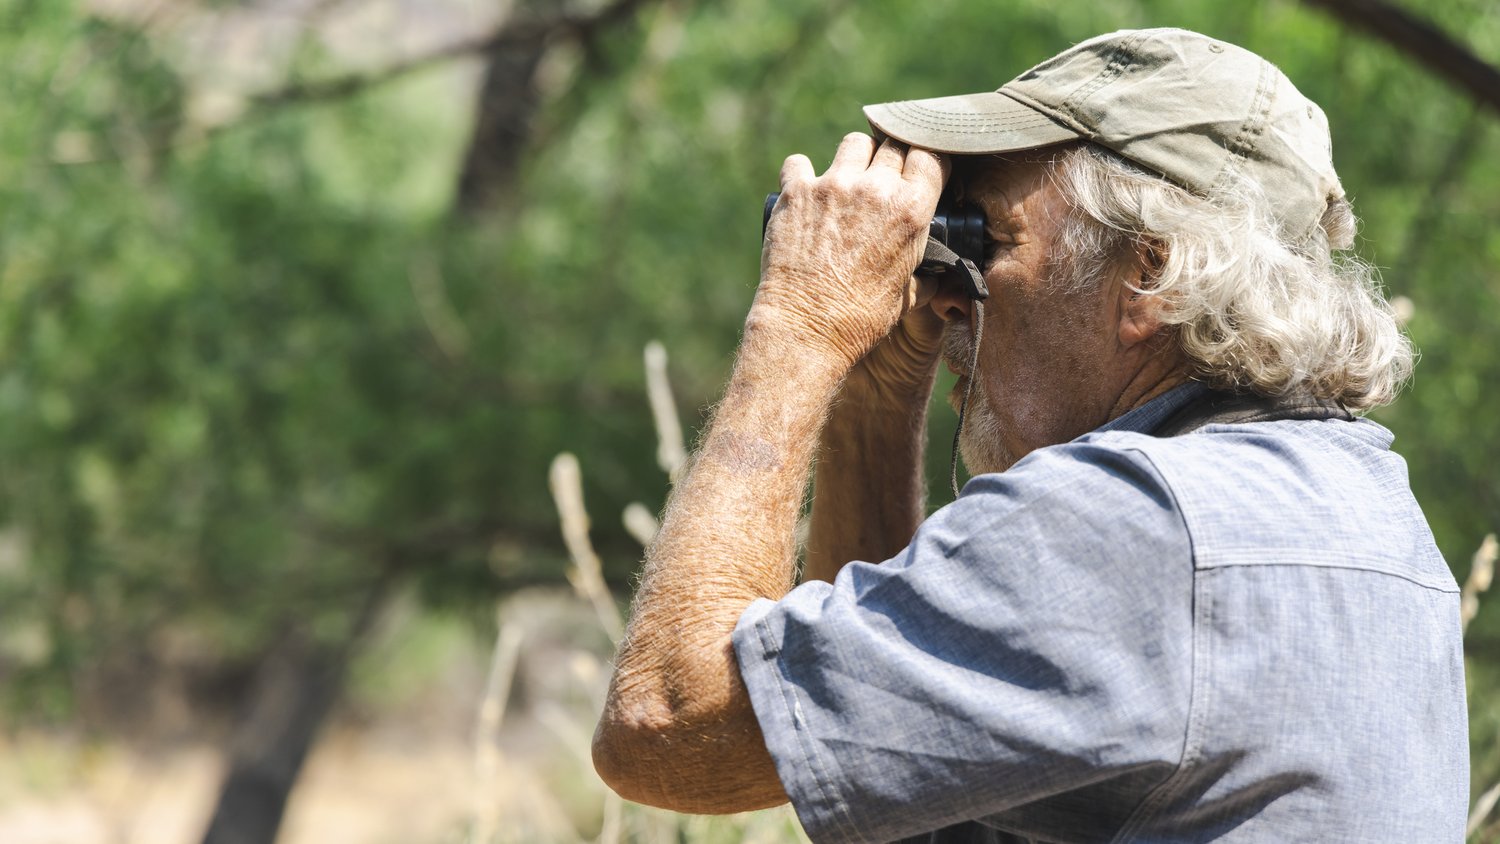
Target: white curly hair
{"x":1254,"y":307}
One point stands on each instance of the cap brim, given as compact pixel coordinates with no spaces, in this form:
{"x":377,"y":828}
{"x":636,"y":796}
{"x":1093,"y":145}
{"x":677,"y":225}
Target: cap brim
{"x":971,"y":124}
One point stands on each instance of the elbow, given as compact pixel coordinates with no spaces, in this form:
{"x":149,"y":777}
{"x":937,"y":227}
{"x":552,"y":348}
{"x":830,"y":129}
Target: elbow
{"x":608,"y":761}
{"x":682,"y":770}
{"x":640,"y":748}
{"x":624,"y":760}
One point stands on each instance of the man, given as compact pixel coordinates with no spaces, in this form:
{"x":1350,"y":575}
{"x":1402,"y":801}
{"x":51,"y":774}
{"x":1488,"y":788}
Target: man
{"x":1186,"y":597}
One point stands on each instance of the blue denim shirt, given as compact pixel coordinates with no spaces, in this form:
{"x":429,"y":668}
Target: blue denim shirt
{"x":1242,"y":634}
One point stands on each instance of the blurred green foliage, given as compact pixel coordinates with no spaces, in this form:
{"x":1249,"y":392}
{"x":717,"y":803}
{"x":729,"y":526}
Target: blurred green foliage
{"x":248,"y":374}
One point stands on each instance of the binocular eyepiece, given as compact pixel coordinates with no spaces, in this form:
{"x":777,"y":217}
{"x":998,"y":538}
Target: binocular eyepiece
{"x":955,"y":224}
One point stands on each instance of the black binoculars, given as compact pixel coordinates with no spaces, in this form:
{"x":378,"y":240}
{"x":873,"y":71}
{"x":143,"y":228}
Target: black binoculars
{"x":955,"y":224}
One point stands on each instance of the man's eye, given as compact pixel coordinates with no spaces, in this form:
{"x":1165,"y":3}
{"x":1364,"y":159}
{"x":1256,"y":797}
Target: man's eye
{"x":993,"y":248}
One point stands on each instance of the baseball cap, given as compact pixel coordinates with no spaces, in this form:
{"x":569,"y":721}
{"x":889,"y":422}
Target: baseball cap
{"x":1199,"y":111}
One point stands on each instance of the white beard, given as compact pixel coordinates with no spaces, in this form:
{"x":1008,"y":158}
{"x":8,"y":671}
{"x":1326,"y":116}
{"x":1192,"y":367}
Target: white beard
{"x":981,"y":443}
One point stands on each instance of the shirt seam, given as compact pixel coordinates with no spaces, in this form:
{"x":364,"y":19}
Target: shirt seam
{"x":1198,"y":688}
{"x":1331,"y":564}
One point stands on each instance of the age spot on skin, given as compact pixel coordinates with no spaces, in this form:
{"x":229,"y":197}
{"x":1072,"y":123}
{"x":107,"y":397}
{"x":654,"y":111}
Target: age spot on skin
{"x":747,"y":454}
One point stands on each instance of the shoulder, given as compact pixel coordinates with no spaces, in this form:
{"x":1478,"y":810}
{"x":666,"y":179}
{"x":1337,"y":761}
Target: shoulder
{"x":1074,"y":523}
{"x":1290,"y":459}
{"x":1096,"y":474}
{"x":1293,"y":492}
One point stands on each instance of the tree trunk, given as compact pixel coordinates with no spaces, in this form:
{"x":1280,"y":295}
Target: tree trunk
{"x":502,"y":121}
{"x":508,"y":97}
{"x":290,"y":698}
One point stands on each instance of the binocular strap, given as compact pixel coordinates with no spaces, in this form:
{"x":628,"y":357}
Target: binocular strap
{"x":963,"y":407}
{"x":940,"y":259}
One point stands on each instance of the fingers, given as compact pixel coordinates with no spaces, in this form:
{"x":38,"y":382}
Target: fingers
{"x":890,"y":154}
{"x":796,"y":168}
{"x":854,"y":153}
{"x":858,"y":152}
{"x":926,"y":170}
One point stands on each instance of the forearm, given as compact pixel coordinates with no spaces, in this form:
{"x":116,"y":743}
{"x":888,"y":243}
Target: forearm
{"x":870,"y":490}
{"x":678,"y":728}
{"x":727,"y":538}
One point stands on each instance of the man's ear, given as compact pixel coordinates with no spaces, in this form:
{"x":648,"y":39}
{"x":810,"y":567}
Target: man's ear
{"x":1140,"y":311}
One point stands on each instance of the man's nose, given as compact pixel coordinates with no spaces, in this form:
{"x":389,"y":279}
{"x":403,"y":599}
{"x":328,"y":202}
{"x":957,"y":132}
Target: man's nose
{"x":951,"y":303}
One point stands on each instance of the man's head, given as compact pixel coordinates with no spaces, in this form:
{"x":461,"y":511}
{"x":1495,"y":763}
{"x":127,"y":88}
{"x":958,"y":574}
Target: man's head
{"x":1164,"y":207}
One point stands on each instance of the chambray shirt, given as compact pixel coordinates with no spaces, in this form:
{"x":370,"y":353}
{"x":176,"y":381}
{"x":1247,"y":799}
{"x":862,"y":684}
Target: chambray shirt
{"x":1242,"y":634}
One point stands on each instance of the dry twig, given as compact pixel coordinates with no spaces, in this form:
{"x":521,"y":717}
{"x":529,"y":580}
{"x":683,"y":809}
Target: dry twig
{"x":639,"y":522}
{"x":487,"y":732}
{"x":436,"y":309}
{"x":1482,"y":808}
{"x":586,"y":575}
{"x":1481,"y":574}
{"x":670,"y":452}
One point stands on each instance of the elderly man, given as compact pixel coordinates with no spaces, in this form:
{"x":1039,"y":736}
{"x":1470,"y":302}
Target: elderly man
{"x":1187,"y":595}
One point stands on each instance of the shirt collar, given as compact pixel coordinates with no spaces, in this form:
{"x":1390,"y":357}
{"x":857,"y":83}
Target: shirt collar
{"x":1147,"y":417}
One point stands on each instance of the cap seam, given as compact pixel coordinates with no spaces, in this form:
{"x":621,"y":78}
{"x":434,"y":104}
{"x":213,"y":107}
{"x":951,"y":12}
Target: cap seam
{"x":945,"y":122}
{"x":1243,"y":141}
{"x":1119,"y":62}
{"x":954,"y":118}
{"x":937,"y":120}
{"x":1051,"y":112}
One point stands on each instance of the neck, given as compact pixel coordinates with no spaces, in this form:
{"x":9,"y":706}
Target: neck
{"x":1140,"y":391}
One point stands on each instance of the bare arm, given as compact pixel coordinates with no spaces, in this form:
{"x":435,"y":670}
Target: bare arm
{"x":870,"y":490}
{"x":678,"y":730}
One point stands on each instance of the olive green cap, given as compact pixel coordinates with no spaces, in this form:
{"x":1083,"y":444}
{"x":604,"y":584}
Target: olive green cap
{"x":1198,"y":111}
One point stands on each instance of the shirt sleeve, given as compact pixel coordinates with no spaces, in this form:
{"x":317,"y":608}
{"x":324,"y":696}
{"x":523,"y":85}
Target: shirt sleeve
{"x":1030,"y":648}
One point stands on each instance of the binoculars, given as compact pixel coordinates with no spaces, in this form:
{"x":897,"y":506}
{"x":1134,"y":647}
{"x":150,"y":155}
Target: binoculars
{"x":955,"y":224}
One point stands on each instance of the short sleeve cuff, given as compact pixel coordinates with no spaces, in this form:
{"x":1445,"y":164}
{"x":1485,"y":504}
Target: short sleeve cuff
{"x":807,"y":774}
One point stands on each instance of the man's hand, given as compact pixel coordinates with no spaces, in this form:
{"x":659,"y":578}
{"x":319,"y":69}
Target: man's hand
{"x":840,"y":248}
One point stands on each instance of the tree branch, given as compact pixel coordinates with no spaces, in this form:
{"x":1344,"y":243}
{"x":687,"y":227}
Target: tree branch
{"x":514,"y":31}
{"x":1427,"y":45}
{"x":339,"y":87}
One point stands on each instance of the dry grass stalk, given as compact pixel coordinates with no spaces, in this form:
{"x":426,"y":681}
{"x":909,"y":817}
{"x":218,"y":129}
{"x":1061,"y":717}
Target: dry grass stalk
{"x":487,"y":732}
{"x":670,"y":451}
{"x":436,"y":309}
{"x":614,"y":809}
{"x":1481,"y":575}
{"x":1482,"y":808}
{"x":639,"y":522}
{"x":586,"y":574}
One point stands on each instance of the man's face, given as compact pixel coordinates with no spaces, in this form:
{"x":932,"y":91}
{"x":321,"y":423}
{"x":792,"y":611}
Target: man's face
{"x":1048,"y":359}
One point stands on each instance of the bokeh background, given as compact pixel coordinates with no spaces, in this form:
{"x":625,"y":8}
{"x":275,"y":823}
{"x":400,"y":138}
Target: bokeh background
{"x":300,"y":299}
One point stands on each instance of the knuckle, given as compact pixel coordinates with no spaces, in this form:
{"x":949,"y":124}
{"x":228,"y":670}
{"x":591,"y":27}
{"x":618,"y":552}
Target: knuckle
{"x":912,"y":217}
{"x":825,"y":192}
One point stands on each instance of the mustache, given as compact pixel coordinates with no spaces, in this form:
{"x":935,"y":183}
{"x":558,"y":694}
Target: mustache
{"x":958,"y":347}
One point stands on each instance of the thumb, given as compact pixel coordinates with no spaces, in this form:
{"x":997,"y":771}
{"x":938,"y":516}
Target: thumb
{"x":919,"y":292}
